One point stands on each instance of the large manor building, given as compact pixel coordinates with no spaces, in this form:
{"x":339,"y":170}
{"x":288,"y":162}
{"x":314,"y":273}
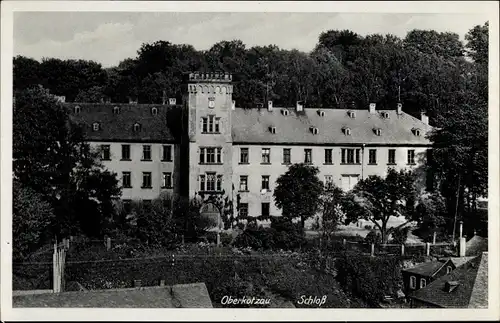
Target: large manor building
{"x":206,"y":143}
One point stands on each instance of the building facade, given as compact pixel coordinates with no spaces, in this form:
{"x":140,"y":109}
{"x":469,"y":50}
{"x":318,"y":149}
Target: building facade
{"x":207,"y":144}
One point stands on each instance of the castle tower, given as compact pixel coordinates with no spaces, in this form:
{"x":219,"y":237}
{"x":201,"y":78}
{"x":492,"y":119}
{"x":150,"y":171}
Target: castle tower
{"x":209,"y":104}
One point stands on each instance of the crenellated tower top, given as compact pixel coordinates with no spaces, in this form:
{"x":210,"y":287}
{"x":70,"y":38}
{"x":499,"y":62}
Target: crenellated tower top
{"x":210,"y":77}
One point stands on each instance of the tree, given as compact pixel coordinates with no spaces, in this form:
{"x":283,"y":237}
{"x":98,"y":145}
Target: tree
{"x":298,"y":192}
{"x":26,"y":73}
{"x":477,"y":43}
{"x":430,"y":214}
{"x":94,"y":94}
{"x":331,"y":215}
{"x":377,"y":199}
{"x":52,"y":158}
{"x":31,"y":219}
{"x":447,"y":45}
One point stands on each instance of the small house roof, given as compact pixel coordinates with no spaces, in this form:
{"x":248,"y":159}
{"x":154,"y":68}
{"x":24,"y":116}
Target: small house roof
{"x":177,"y":296}
{"x":427,"y":268}
{"x":471,"y":292}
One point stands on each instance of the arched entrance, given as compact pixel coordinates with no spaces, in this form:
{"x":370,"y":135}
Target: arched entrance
{"x":212,"y":212}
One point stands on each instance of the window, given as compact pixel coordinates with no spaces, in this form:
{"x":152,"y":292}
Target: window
{"x":286,"y":155}
{"x":328,"y":156}
{"x":95,"y":126}
{"x":392,"y":156}
{"x":146,"y":152}
{"x":265,"y":182}
{"x":328,"y":181}
{"x":146,"y":180}
{"x":244,"y":183}
{"x":105,"y":154}
{"x":314,"y":130}
{"x":423,"y":282}
{"x":116,"y":110}
{"x":125,"y":152}
{"x":243,"y":210}
{"x":210,"y":155}
{"x":349,"y":181}
{"x":166,"y":180}
{"x":377,"y":131}
{"x":77,"y":109}
{"x":308,"y":156}
{"x":154,"y":111}
{"x":266,"y":155}
{"x":284,"y":112}
{"x":385,"y":115}
{"x":265,"y":209}
{"x":126,"y":180}
{"x":244,"y":156}
{"x":211,"y":182}
{"x":411,"y":157}
{"x":137,"y":127}
{"x":347,"y":131}
{"x":416,"y":132}
{"x":372,"y":156}
{"x":350,"y":155}
{"x":167,"y":153}
{"x":202,"y":182}
{"x":210,"y":124}
{"x":351,"y":114}
{"x":211,"y":102}
{"x":272,"y":129}
{"x":448,"y":269}
{"x":413,"y":282}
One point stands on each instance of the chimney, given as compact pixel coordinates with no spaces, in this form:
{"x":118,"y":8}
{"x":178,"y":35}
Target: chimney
{"x":400,"y":108}
{"x":164,"y":97}
{"x":449,"y":286}
{"x":300,"y":106}
{"x":269,"y":105}
{"x":233,"y":105}
{"x":424,"y":117}
{"x":373,"y":107}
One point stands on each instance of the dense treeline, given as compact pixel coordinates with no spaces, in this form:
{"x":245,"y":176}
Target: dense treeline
{"x":421,"y":70}
{"x":426,"y":70}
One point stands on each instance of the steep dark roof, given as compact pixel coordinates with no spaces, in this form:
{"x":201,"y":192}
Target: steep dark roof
{"x":476,"y":245}
{"x":120,"y":127}
{"x":427,"y":268}
{"x":252,"y":126}
{"x":472,"y":290}
{"x":181,"y":296}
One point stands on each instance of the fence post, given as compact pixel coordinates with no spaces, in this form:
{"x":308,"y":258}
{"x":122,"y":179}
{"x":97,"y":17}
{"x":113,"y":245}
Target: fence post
{"x":372,"y":253}
{"x":402,"y":249}
{"x":162,"y":283}
{"x":344,"y":242}
{"x":183,"y":239}
{"x":434,"y":238}
{"x":428,"y":248}
{"x":218,"y":238}
{"x":462,"y":247}
{"x":108,"y":243}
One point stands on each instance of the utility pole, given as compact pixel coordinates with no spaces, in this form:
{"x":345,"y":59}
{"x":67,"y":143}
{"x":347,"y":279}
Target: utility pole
{"x":456,"y":208}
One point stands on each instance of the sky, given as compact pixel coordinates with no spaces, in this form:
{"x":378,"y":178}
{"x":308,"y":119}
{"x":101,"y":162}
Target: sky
{"x":110,"y":37}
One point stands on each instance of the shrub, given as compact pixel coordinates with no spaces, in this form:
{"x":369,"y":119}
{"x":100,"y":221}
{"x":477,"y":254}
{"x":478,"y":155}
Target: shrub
{"x":256,"y":238}
{"x":371,"y":278}
{"x":400,"y":235}
{"x":368,"y":227}
{"x":31,"y":218}
{"x":373,"y":237}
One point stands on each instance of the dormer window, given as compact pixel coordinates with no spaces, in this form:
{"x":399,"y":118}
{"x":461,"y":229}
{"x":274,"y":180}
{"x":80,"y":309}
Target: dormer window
{"x":321,"y":113}
{"x":377,"y":131}
{"x":137,"y":127}
{"x":154,"y":111}
{"x":116,"y":110}
{"x":77,"y":109}
{"x":285,"y":112}
{"x":385,"y":115}
{"x":96,"y":126}
{"x":272,"y":130}
{"x":416,"y":132}
{"x":351,"y":114}
{"x":347,"y":131}
{"x":314,"y":130}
